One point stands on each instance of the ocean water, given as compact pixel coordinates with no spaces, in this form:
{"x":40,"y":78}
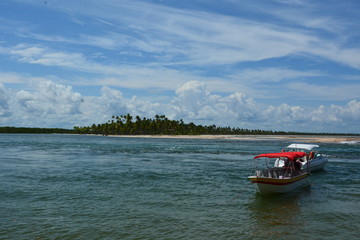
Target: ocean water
{"x":94,"y":187}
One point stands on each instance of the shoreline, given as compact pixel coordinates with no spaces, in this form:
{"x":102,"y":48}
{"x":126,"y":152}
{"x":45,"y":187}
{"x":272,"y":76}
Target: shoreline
{"x":295,"y":138}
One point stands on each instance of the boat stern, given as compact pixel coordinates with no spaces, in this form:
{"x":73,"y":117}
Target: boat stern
{"x":266,"y":185}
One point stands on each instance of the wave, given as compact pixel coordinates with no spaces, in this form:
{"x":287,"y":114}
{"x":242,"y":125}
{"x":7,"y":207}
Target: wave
{"x":350,"y":142}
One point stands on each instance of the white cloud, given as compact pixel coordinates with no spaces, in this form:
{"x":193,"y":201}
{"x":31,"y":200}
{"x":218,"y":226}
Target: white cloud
{"x":337,"y":114}
{"x":142,"y":77}
{"x":10,"y":78}
{"x":112,"y":101}
{"x":172,"y":43}
{"x":313,"y":91}
{"x":100,"y":109}
{"x":131,"y":76}
{"x":272,"y":74}
{"x":48,"y":57}
{"x":217,"y":39}
{"x":269,"y":50}
{"x":202,"y":38}
{"x":194,"y":101}
{"x":330,"y":119}
{"x":54,"y":105}
{"x":192,"y":96}
{"x":285,"y":114}
{"x":4,"y":105}
{"x":48,"y":104}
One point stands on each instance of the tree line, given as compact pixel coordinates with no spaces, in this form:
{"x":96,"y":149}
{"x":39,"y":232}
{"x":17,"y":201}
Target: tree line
{"x":34,"y":130}
{"x":128,"y":125}
{"x":160,"y":125}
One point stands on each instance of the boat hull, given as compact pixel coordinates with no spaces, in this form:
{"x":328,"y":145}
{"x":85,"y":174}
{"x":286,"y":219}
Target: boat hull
{"x":266,"y":185}
{"x":317,"y":164}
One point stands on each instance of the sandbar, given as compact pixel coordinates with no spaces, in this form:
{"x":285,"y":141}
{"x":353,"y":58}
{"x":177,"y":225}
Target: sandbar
{"x":293,"y":138}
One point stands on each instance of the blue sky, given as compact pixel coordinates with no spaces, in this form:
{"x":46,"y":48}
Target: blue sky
{"x":278,"y":65}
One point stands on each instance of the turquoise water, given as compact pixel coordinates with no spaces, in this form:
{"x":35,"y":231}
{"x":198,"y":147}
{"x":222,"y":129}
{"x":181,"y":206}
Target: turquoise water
{"x":93,"y":187}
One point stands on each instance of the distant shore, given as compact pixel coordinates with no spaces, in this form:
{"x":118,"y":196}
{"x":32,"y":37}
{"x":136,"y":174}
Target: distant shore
{"x":294,"y":138}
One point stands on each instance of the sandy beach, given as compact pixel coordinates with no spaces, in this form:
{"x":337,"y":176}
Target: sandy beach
{"x":294,"y":138}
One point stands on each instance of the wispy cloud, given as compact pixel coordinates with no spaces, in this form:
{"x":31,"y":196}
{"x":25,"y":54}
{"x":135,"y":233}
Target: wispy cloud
{"x":263,"y":75}
{"x":141,"y":77}
{"x":201,"y":38}
{"x":7,"y":77}
{"x":131,"y":76}
{"x":320,"y":92}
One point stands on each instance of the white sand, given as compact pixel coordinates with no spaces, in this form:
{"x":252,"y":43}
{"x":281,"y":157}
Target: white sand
{"x":294,"y":138}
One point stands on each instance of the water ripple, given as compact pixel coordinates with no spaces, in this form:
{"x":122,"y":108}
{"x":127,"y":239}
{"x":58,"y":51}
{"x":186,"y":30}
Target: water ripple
{"x":91,"y":187}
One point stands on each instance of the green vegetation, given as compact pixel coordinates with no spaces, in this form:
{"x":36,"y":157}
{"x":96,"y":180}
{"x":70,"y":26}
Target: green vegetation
{"x":161,"y":125}
{"x":127,"y":125}
{"x":34,"y":130}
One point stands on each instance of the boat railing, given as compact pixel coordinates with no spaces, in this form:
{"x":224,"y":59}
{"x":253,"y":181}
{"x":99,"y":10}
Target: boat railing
{"x":278,"y":172}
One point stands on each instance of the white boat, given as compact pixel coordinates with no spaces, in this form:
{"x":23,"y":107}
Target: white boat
{"x":313,"y":161}
{"x":280,"y":179}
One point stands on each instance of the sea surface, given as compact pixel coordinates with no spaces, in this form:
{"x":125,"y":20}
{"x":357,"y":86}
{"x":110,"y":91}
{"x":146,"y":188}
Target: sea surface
{"x":95,"y":187}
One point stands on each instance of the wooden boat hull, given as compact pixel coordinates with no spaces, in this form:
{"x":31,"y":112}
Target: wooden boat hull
{"x":266,"y":185}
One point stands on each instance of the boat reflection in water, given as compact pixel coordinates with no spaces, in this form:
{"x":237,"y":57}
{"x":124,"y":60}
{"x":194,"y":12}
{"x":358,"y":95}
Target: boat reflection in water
{"x":277,"y":216}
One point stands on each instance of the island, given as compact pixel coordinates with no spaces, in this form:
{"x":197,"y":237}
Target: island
{"x":162,"y":127}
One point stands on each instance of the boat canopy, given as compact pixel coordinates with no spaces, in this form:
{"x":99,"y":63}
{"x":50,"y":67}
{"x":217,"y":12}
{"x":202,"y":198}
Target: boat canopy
{"x":303,"y":146}
{"x":289,"y":155}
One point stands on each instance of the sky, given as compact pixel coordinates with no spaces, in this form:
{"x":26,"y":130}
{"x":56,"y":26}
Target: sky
{"x":281,"y":65}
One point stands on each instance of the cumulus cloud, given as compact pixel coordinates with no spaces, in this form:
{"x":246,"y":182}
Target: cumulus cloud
{"x":4,"y":106}
{"x":194,"y":101}
{"x":47,"y":104}
{"x":54,"y":105}
{"x":337,"y":114}
{"x":191,"y":98}
{"x":100,"y":109}
{"x":49,"y":98}
{"x":113,"y":103}
{"x":286,"y":113}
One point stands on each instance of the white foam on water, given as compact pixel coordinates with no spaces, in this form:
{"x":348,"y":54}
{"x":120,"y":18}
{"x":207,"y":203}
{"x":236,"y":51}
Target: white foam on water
{"x":350,"y":142}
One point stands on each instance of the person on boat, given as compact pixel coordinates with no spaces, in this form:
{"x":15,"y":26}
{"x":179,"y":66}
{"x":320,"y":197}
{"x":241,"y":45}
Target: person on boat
{"x":297,"y":164}
{"x":287,"y":164}
{"x":311,"y":155}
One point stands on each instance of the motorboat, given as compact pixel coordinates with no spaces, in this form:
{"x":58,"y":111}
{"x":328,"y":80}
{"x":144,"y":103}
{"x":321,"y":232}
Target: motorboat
{"x":313,"y":161}
{"x":270,"y":179}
